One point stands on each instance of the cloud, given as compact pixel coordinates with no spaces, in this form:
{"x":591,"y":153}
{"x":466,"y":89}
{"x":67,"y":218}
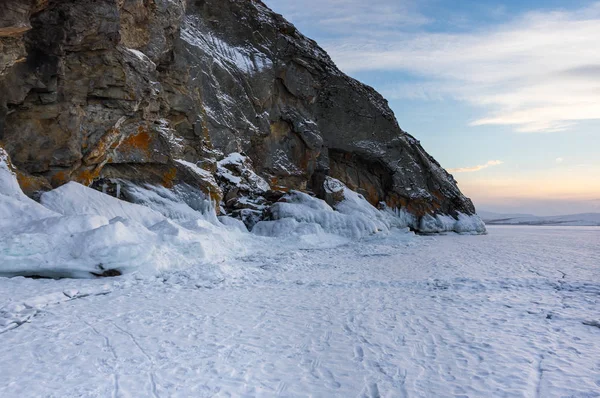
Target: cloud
{"x":539,"y":72}
{"x":343,"y":17}
{"x":559,"y":160}
{"x":476,"y":168}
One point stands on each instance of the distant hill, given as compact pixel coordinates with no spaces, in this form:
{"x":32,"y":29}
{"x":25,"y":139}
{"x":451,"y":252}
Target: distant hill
{"x":584,"y":219}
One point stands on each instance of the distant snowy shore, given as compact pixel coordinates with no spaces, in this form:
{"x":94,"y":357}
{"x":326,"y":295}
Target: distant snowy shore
{"x":584,"y":219}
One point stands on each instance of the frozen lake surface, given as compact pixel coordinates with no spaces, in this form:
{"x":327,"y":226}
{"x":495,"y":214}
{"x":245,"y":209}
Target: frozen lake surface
{"x":515,"y":313}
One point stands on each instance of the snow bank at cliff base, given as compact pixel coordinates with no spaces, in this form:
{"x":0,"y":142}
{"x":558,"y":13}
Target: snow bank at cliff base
{"x":78,"y":232}
{"x":351,"y":216}
{"x":302,"y":214}
{"x":73,"y":198}
{"x":464,"y":224}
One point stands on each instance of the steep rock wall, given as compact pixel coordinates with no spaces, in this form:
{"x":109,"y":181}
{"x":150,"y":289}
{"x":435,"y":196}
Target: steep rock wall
{"x":97,"y":90}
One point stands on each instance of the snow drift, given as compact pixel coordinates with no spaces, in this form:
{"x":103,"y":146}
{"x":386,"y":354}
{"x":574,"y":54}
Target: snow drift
{"x":352,"y":216}
{"x":78,"y":232}
{"x":464,"y":224}
{"x":300,"y":214}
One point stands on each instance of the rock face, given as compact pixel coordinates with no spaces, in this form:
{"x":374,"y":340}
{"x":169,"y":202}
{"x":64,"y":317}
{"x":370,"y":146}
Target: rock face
{"x":159,"y":91}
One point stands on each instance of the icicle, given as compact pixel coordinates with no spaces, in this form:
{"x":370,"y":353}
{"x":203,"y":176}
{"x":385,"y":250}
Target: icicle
{"x":118,"y":190}
{"x":104,"y":187}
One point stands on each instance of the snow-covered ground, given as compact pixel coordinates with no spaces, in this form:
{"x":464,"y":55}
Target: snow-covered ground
{"x":515,"y":313}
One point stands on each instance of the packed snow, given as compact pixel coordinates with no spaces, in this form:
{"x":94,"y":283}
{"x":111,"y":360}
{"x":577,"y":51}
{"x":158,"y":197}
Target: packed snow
{"x":513,"y":313}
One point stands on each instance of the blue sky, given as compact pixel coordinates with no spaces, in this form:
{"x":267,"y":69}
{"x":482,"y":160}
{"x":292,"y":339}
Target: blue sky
{"x":506,"y":95}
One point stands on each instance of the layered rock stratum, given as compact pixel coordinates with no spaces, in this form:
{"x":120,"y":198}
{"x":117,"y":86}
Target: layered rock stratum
{"x":116,"y":94}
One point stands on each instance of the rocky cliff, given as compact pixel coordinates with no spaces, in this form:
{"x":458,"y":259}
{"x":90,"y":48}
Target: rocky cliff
{"x":160,"y":92}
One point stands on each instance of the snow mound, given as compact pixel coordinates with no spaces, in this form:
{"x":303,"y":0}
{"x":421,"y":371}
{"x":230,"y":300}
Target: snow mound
{"x":301,"y":214}
{"x":35,"y":240}
{"x":73,"y":199}
{"x":354,"y":204}
{"x":180,"y":203}
{"x":233,"y":223}
{"x":79,"y":232}
{"x":16,"y":209}
{"x":465,"y":224}
{"x":351,"y":216}
{"x":79,"y":246}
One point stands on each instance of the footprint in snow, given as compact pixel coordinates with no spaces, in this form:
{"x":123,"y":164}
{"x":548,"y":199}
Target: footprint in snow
{"x":358,"y":353}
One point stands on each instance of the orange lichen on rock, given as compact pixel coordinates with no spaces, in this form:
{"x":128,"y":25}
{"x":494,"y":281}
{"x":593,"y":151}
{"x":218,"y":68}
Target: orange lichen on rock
{"x":87,"y":176}
{"x":419,"y":207}
{"x":137,"y":144}
{"x":98,"y":153}
{"x":307,"y":158}
{"x":438,"y":195}
{"x":169,"y":177}
{"x":372,"y":196}
{"x":215,"y":197}
{"x":280,"y":129}
{"x":288,"y":183}
{"x":395,"y":201}
{"x":60,"y":178}
{"x":15,"y":30}
{"x":277,"y":186}
{"x":30,"y":184}
{"x":142,"y":140}
{"x":205,"y":132}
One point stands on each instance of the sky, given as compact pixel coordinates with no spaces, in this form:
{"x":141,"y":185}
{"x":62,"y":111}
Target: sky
{"x":504,"y":94}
